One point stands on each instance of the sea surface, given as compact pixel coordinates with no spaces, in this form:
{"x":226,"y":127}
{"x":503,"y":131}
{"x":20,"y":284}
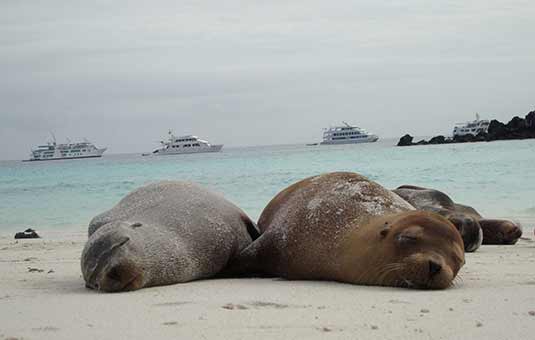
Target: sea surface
{"x":497,"y":178}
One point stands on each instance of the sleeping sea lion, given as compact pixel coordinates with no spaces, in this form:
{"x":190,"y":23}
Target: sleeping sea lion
{"x":494,"y":231}
{"x":164,"y":233}
{"x":440,"y":203}
{"x":341,"y":226}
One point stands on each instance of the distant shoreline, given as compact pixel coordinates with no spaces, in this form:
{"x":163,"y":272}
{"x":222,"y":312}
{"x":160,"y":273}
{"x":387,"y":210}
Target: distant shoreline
{"x":517,"y":129}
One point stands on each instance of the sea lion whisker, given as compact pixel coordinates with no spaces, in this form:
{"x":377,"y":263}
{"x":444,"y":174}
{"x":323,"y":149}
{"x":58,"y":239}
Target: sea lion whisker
{"x":457,"y":280}
{"x":409,"y":283}
{"x":388,"y":269}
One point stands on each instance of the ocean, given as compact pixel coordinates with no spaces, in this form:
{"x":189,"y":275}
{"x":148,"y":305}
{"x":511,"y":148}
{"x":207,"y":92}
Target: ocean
{"x":497,"y":178}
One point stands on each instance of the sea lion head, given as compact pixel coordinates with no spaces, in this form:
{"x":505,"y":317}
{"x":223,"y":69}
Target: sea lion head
{"x":469,"y":228}
{"x":500,"y":231}
{"x":418,"y":250}
{"x":113,"y":256}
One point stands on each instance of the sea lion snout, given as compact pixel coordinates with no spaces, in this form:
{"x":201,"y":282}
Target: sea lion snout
{"x":513,"y":233}
{"x":434,"y":268}
{"x":427,"y":270}
{"x":122,"y":276}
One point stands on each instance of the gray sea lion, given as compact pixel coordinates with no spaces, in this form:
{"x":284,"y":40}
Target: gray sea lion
{"x":164,"y":233}
{"x":343,"y":227}
{"x":440,"y":203}
{"x":495,"y":231}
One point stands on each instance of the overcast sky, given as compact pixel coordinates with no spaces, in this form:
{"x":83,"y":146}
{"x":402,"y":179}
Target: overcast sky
{"x":251,"y":72}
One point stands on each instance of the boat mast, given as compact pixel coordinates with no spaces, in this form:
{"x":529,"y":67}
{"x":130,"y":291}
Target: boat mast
{"x":53,"y":138}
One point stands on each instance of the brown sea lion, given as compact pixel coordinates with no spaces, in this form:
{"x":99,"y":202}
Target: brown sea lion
{"x":164,"y":233}
{"x":495,"y":231}
{"x":343,"y":227}
{"x":440,"y":203}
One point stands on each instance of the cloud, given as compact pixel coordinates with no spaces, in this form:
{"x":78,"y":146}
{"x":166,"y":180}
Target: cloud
{"x":249,"y":72}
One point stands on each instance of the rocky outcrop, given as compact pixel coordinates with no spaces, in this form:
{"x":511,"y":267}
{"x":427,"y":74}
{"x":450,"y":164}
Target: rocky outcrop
{"x":405,"y":140}
{"x":517,"y":128}
{"x":437,"y":140}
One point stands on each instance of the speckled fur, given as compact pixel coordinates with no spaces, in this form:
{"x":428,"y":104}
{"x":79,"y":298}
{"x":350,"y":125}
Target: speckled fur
{"x":422,"y":197}
{"x":177,"y":232}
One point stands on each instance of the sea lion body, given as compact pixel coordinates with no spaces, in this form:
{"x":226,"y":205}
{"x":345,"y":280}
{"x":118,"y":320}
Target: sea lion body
{"x":343,"y":227}
{"x":440,"y":203}
{"x":474,"y":228}
{"x":163,"y":233}
{"x":495,"y":231}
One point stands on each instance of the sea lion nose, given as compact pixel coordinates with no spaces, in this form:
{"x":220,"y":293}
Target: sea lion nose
{"x":118,"y":278}
{"x":434,"y":268}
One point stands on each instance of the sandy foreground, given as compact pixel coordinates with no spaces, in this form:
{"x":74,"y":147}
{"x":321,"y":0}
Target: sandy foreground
{"x":42,"y":296}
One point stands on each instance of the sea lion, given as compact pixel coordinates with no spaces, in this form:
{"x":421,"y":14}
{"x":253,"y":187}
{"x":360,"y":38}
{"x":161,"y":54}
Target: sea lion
{"x":495,"y":231}
{"x":343,"y":227}
{"x":163,"y":233}
{"x":440,"y":203}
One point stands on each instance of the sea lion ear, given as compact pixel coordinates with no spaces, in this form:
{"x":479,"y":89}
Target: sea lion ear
{"x":384,"y":230}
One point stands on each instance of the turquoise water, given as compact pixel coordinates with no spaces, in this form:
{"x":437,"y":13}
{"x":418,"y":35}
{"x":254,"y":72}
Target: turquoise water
{"x":497,"y":178}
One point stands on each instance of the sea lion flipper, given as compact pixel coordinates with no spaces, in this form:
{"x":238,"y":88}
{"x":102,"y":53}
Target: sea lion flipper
{"x":249,"y":261}
{"x":252,"y":228}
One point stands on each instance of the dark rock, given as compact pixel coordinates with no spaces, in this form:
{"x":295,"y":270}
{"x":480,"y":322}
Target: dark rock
{"x":405,"y":140}
{"x":497,"y":130}
{"x":464,"y":138}
{"x":28,"y":233}
{"x":530,"y":120}
{"x":481,"y":137}
{"x":437,"y":140}
{"x":515,"y":124}
{"x":422,"y":142}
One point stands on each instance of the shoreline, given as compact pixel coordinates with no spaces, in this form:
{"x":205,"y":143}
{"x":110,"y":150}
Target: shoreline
{"x":43,"y":296}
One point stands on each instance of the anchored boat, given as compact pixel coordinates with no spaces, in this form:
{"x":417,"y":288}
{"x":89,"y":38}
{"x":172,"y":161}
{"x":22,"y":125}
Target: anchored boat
{"x":471,"y":128}
{"x":347,"y":134}
{"x":53,"y":151}
{"x":184,"y":145}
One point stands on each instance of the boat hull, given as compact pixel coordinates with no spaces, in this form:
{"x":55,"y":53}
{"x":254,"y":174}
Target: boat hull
{"x":370,"y":139}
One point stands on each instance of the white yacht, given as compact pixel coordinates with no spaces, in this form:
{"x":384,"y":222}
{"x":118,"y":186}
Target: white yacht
{"x":52,"y":151}
{"x":471,"y":128}
{"x":184,"y":144}
{"x":347,"y":134}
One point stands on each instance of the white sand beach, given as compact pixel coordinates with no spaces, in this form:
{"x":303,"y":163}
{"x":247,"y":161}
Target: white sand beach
{"x":42,"y":296}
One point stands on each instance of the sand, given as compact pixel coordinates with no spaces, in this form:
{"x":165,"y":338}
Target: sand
{"x":42,"y":296}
